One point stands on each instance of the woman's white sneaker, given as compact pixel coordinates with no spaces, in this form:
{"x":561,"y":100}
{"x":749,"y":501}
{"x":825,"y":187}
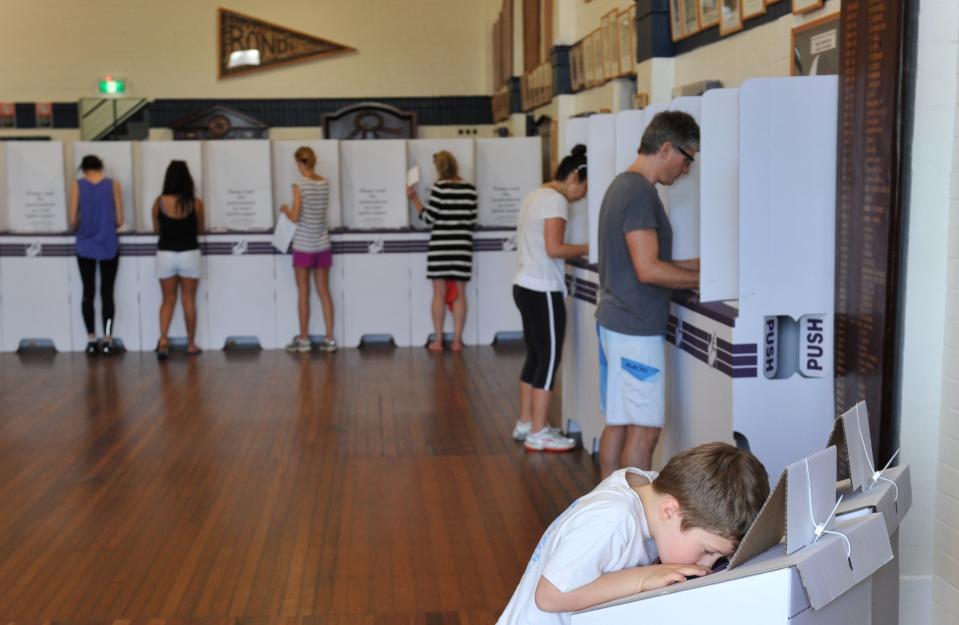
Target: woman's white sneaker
{"x":547,"y":440}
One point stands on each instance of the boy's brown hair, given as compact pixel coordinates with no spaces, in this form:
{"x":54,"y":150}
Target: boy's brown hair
{"x":719,"y":488}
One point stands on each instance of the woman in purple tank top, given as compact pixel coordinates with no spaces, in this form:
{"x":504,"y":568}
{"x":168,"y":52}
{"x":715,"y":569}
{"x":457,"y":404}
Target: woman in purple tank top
{"x":96,"y":211}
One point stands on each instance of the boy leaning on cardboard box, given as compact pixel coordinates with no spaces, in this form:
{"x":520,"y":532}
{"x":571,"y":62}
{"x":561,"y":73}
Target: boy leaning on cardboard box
{"x":639,"y":531}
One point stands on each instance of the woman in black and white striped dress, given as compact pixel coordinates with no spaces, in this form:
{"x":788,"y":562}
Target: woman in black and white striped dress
{"x":451,"y":210}
{"x":312,"y":250}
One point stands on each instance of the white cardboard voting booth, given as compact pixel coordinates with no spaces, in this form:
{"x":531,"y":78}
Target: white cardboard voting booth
{"x":117,"y":157}
{"x":240,"y":290}
{"x":821,"y":574}
{"x":239,"y":186}
{"x":419,"y":153}
{"x":601,"y":165}
{"x":684,"y":194}
{"x":286,"y":173}
{"x":870,"y":488}
{"x":770,"y":276}
{"x":246,"y":289}
{"x":507,"y":170}
{"x":32,"y":182}
{"x":154,"y":158}
{"x":577,"y":227}
{"x":373,"y":177}
{"x":27,"y":312}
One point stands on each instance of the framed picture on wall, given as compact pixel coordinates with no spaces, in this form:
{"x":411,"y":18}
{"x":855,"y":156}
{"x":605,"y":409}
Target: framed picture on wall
{"x":690,"y":18}
{"x":815,"y":47}
{"x":730,"y":17}
{"x":708,"y":13}
{"x":588,"y":77}
{"x":805,"y":6}
{"x":610,"y":24}
{"x":752,"y":8}
{"x":627,"y":54}
{"x":599,"y":60}
{"x":676,"y":19}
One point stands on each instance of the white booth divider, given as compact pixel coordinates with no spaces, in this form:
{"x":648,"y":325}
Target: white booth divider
{"x":684,"y":195}
{"x":787,"y":184}
{"x":720,"y":380}
{"x":495,"y":265}
{"x":379,"y":265}
{"x":286,"y":173}
{"x":378,"y":281}
{"x":4,"y":217}
{"x":239,"y":187}
{"x":35,"y":195}
{"x":419,"y":152}
{"x":507,"y":170}
{"x":630,"y":125}
{"x":28,"y":311}
{"x":117,"y":157}
{"x":601,"y":155}
{"x":154,"y":158}
{"x":651,"y":111}
{"x":240,"y":293}
{"x":719,"y":196}
{"x":577,"y":228}
{"x":373,"y":177}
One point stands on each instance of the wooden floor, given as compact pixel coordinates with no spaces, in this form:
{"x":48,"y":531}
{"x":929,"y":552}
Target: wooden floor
{"x":367,"y":486}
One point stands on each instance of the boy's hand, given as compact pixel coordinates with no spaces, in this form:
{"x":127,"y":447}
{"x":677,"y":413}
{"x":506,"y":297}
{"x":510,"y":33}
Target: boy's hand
{"x":662,"y":575}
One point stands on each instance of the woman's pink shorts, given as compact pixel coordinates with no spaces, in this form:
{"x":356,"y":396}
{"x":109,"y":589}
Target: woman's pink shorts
{"x":312,"y":260}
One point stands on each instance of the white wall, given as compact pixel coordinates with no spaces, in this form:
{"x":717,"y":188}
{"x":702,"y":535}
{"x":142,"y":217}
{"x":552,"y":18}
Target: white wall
{"x":938,"y":41}
{"x":930,"y":371}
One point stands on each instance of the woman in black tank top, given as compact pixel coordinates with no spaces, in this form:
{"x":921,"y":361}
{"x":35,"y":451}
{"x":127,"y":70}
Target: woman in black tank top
{"x":178,"y":218}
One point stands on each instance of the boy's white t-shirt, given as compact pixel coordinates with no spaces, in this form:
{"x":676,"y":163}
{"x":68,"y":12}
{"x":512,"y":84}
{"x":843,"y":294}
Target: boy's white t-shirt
{"x":601,"y":532}
{"x":537,"y":271}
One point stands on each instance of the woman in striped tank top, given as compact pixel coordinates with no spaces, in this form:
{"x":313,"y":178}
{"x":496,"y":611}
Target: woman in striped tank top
{"x":451,"y":210}
{"x":312,"y":251}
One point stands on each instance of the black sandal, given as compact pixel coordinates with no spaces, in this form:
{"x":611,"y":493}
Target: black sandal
{"x":162,"y":352}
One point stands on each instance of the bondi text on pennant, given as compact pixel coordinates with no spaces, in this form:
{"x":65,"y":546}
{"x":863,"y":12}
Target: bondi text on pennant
{"x":248,"y":44}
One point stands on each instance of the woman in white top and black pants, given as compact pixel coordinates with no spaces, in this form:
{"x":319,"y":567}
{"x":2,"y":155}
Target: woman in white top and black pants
{"x":538,"y":290}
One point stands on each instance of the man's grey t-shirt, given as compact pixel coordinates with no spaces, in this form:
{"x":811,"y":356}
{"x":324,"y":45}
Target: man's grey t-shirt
{"x":627,"y":305}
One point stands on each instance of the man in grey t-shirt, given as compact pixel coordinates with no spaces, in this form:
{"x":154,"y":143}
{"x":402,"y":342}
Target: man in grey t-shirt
{"x":636,"y":277}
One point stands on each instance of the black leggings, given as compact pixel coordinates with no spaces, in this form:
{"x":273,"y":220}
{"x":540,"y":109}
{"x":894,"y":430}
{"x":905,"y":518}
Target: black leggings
{"x":88,"y":275}
{"x":544,"y":326}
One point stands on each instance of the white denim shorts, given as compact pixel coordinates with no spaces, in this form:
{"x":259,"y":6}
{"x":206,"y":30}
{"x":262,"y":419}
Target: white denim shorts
{"x":184,"y":264}
{"x":632,"y":386}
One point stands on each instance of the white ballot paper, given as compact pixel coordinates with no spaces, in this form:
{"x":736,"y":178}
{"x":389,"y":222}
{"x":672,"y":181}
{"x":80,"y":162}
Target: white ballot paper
{"x":283,"y":233}
{"x":413,"y":176}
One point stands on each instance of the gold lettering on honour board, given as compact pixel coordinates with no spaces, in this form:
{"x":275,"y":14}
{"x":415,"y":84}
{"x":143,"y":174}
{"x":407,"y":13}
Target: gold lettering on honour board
{"x":248,"y":45}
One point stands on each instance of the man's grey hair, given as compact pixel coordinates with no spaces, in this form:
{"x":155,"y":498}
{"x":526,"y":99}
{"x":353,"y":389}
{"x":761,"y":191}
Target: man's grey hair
{"x":674,"y":126}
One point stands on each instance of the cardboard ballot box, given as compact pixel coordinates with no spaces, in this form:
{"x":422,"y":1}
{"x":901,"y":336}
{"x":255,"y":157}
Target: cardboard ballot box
{"x":821,"y":573}
{"x":887,"y":492}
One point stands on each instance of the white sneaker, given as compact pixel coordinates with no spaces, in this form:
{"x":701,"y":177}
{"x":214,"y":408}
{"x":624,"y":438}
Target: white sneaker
{"x":547,"y":440}
{"x":327,"y":345}
{"x":299,"y":345}
{"x":521,"y":430}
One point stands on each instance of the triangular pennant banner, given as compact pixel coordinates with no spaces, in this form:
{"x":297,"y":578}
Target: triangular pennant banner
{"x":248,"y":45}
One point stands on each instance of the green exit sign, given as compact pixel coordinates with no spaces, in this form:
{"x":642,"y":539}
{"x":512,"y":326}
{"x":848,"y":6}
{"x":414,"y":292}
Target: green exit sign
{"x":111,"y":86}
